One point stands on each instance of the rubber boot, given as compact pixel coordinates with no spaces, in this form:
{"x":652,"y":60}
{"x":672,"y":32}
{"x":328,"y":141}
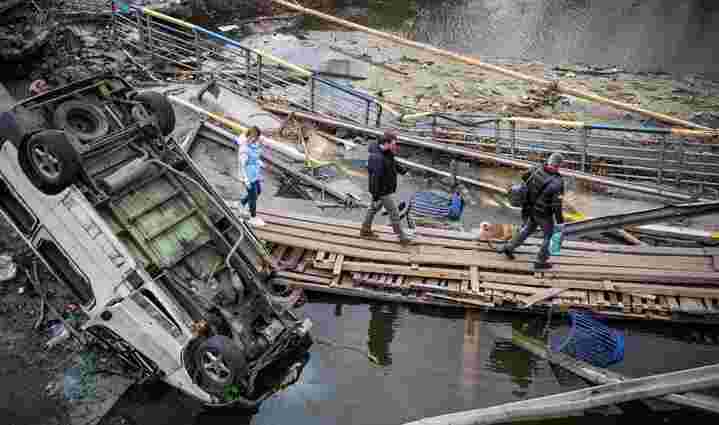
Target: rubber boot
{"x":542,"y":266}
{"x":368,"y":233}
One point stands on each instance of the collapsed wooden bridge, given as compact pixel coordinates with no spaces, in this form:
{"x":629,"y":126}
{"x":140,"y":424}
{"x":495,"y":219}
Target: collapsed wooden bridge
{"x":453,"y":268}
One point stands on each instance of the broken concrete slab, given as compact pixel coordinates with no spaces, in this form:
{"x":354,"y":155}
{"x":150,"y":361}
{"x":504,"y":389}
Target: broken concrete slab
{"x":312,"y":55}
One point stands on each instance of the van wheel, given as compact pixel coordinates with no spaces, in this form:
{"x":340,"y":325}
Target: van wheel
{"x":159,"y":107}
{"x":85,"y":121}
{"x":218,"y":363}
{"x":50,"y":161}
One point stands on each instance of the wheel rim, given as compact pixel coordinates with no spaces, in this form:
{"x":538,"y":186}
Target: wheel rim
{"x":46,"y":162}
{"x":215,"y":368}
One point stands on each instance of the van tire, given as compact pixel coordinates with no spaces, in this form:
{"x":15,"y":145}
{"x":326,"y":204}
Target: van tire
{"x":158,"y":106}
{"x":83,"y":120}
{"x":50,"y":161}
{"x":218,"y":363}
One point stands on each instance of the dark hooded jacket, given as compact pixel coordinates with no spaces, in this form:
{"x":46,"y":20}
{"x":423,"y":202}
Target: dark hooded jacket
{"x":383,"y":170}
{"x":545,"y":191}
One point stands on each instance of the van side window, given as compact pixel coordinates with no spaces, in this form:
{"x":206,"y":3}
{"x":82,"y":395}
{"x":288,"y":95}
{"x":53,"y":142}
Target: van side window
{"x":16,"y":210}
{"x":64,"y":269}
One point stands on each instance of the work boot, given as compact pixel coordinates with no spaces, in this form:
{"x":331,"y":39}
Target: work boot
{"x":507,"y":253}
{"x":542,"y":266}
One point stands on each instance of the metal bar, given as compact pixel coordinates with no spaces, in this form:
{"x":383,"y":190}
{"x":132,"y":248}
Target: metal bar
{"x":367,"y":113}
{"x":247,"y":70}
{"x":513,"y":127}
{"x":662,"y":155}
{"x":640,"y":217}
{"x":497,"y":135}
{"x":681,"y":162}
{"x":259,"y":76}
{"x":149,"y":31}
{"x":585,"y":154}
{"x":312,"y":93}
{"x":379,"y":116}
{"x":139,"y":28}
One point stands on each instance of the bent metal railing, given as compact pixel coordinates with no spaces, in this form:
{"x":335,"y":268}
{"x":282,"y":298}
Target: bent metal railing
{"x":650,"y":156}
{"x":249,"y":72}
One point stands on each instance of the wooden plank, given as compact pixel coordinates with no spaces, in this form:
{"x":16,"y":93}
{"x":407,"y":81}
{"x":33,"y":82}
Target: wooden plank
{"x":304,"y":277}
{"x":332,"y":257}
{"x":467,"y":236}
{"x":465,"y":301}
{"x":474,"y":278}
{"x":541,"y":296}
{"x":320,"y":256}
{"x":338,"y":264}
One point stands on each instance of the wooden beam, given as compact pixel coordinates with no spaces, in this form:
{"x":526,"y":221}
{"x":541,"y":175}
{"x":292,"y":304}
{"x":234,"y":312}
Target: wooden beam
{"x":338,"y":264}
{"x":544,"y":295}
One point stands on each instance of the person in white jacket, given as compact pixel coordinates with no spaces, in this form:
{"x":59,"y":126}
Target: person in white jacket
{"x":250,"y":170}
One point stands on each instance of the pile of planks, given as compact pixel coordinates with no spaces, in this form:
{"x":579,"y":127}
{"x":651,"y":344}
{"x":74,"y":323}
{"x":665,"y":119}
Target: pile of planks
{"x":444,"y":267}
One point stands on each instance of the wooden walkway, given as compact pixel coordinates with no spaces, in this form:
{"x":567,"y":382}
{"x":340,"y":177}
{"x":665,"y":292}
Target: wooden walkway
{"x":443,"y":267}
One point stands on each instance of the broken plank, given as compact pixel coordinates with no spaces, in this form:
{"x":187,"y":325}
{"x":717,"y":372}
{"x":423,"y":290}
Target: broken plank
{"x":338,"y":264}
{"x":461,"y":300}
{"x":474,"y":278}
{"x":541,"y":296}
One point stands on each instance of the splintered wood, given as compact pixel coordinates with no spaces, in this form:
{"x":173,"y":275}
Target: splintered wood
{"x":449,"y":268}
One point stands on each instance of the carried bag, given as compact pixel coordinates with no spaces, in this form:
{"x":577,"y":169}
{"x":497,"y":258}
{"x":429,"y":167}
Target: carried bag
{"x":519,"y":192}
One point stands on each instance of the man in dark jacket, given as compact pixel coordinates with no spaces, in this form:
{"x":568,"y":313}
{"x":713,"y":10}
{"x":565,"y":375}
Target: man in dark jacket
{"x":383,"y":171}
{"x":544,"y":206}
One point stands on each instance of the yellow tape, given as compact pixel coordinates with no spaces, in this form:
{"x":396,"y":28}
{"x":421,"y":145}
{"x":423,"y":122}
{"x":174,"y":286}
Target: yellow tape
{"x":715,"y":235}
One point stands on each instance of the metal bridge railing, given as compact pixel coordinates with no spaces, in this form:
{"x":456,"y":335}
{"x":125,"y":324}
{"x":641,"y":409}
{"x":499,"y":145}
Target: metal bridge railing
{"x":246,"y":71}
{"x":644,"y":155}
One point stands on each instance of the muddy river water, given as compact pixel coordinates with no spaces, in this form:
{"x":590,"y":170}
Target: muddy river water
{"x":637,"y":35}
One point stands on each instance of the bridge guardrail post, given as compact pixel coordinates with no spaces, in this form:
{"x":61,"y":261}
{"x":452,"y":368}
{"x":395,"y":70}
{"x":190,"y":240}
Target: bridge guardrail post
{"x":585,"y":148}
{"x":312,"y":92}
{"x":513,"y":126}
{"x":198,"y":51}
{"x":248,"y":61}
{"x":259,"y":76}
{"x":369,"y":104}
{"x":660,"y":164}
{"x":682,"y":154}
{"x":378,"y":124}
{"x":149,"y":32}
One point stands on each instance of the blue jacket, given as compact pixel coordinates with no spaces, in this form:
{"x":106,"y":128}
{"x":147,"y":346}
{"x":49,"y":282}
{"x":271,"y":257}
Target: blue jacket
{"x":250,"y":160}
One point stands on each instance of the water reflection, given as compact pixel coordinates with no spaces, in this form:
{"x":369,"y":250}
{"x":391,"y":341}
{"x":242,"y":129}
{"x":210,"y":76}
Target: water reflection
{"x":382,"y":323}
{"x":519,"y":364}
{"x":471,"y":371}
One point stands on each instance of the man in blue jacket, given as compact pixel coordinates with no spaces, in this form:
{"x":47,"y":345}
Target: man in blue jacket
{"x":545,"y":189}
{"x":383,"y":170}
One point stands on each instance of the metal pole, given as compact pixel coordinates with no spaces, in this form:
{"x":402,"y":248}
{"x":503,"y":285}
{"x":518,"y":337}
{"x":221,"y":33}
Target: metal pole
{"x":259,"y":76}
{"x":198,"y":55}
{"x":149,"y":32}
{"x":497,"y":130}
{"x":312,"y":93}
{"x":585,"y":148}
{"x":247,"y":72}
{"x":514,"y":137}
{"x":662,"y":155}
{"x":367,"y":113}
{"x":139,"y":28}
{"x":680,"y":167}
{"x":379,"y":116}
